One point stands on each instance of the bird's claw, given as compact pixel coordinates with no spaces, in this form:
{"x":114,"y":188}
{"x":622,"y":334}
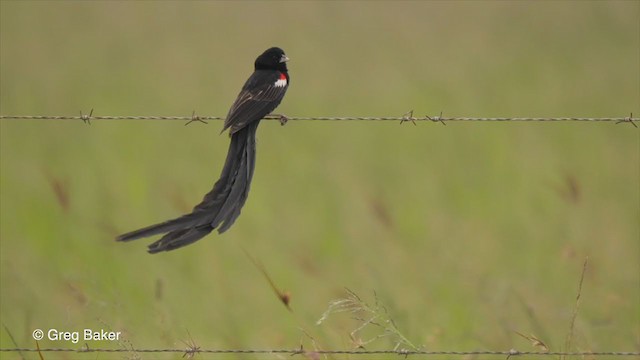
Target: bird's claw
{"x":283,"y":119}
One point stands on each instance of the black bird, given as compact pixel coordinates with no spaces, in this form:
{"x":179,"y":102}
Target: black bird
{"x":259,"y":96}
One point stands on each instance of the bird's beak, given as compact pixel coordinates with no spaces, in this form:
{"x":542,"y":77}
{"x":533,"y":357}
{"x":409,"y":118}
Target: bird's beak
{"x":284,"y":58}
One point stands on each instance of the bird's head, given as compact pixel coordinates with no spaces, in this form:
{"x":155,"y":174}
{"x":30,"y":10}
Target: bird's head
{"x":272,"y":59}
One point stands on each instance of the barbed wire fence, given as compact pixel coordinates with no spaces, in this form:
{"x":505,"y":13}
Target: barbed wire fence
{"x":300,"y":351}
{"x":407,"y":117}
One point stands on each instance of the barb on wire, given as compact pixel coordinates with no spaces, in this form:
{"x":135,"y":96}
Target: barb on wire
{"x":195,"y":117}
{"x":86,"y":118}
{"x":629,"y":120}
{"x":437,"y":118}
{"x":408,"y":117}
{"x":298,"y":351}
{"x":192,"y":348}
{"x":283,"y":118}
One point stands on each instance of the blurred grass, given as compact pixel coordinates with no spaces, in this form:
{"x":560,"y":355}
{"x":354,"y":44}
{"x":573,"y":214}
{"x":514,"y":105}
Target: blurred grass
{"x":467,"y":232}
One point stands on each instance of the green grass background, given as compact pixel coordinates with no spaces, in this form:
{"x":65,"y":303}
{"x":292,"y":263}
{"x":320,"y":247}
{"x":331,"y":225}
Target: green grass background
{"x":466,"y":232}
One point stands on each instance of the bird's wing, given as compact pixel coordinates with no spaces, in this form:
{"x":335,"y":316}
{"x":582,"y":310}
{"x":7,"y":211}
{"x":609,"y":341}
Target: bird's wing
{"x":260,"y":96}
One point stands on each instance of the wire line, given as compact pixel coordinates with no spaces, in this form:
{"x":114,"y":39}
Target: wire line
{"x":408,"y":117}
{"x":509,"y":353}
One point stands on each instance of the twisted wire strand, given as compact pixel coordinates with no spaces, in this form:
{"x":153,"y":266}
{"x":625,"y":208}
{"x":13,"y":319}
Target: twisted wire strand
{"x":508,"y":353}
{"x":406,"y":117}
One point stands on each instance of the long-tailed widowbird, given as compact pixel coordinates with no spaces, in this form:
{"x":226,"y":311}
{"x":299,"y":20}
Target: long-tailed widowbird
{"x":220,"y":208}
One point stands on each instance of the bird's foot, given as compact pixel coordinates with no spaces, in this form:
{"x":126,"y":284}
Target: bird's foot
{"x":281,"y":117}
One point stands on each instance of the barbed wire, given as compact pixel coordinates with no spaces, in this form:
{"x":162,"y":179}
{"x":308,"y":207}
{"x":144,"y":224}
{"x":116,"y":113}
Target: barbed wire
{"x":301,"y":351}
{"x":407,"y":117}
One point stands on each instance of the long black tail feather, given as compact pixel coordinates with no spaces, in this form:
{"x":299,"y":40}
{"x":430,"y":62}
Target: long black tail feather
{"x":219,"y":208}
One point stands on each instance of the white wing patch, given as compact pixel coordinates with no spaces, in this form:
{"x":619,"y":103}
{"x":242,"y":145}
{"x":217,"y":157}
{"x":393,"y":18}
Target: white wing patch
{"x":280,"y":83}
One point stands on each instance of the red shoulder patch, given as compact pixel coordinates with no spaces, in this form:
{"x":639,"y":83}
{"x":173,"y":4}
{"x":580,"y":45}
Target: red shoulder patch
{"x":282,"y":81}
